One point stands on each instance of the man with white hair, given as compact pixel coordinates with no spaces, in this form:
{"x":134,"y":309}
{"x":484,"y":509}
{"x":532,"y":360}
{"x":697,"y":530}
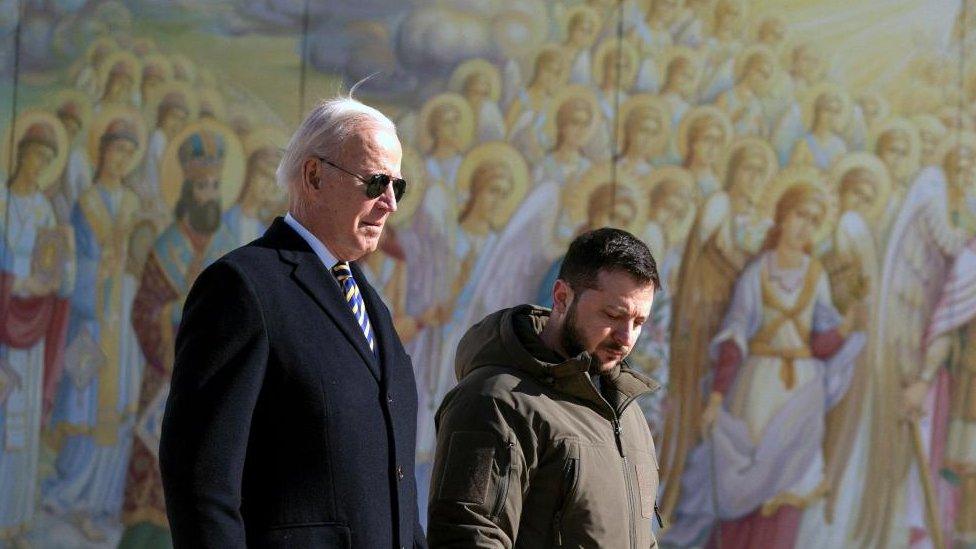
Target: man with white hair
{"x":291,"y":420}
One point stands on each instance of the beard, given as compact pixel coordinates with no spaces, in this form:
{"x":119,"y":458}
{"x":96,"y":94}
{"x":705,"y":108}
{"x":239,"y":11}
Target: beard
{"x":571,"y":340}
{"x":205,"y":218}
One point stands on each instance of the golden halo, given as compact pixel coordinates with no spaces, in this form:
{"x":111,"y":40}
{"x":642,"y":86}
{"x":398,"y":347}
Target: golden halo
{"x":102,"y":42}
{"x":144,"y":46}
{"x":16,"y":132}
{"x":101,"y":123}
{"x":802,"y":175}
{"x":884,"y":104}
{"x":872,"y":163}
{"x":751,"y":142}
{"x":626,"y":49}
{"x":685,"y":179}
{"x":127,"y":58}
{"x":413,"y":170}
{"x":567,"y":93}
{"x":265,"y":138}
{"x":576,"y":197}
{"x":643,"y":101}
{"x":528,"y":62}
{"x":151,"y":103}
{"x":903,"y":125}
{"x":184,"y":69}
{"x":742,"y":59}
{"x":472,"y":66}
{"x":810,"y":99}
{"x":675,"y":52}
{"x":954,"y":140}
{"x":587,"y":11}
{"x":212,"y":101}
{"x":206,"y":78}
{"x":697,"y":113}
{"x":70,"y":95}
{"x":162,"y":62}
{"x":759,"y":22}
{"x":496,"y":150}
{"x":465,"y":123}
{"x":232,"y":176}
{"x":930,"y":123}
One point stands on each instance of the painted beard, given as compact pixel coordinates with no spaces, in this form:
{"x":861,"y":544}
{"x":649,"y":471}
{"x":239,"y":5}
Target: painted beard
{"x":205,"y":218}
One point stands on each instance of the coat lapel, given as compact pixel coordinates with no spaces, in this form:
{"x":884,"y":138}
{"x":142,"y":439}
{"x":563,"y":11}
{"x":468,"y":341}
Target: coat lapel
{"x":316,"y":281}
{"x":383,"y":331}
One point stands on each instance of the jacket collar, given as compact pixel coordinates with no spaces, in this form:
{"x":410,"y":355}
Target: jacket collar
{"x":572,"y":375}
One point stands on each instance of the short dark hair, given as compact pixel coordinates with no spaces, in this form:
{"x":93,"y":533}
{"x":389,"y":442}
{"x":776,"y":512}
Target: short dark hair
{"x":607,"y":249}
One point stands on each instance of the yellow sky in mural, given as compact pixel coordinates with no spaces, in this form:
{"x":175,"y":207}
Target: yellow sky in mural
{"x":869,"y":41}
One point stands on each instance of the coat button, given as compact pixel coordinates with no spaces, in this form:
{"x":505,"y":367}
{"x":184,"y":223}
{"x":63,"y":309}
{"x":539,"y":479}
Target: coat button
{"x":399,"y":472}
{"x":389,"y":399}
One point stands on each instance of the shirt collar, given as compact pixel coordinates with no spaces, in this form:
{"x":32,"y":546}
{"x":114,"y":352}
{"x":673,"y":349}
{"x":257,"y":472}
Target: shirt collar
{"x":325,"y":256}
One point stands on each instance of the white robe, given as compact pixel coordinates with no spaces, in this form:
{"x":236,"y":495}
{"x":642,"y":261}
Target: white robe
{"x":20,"y":414}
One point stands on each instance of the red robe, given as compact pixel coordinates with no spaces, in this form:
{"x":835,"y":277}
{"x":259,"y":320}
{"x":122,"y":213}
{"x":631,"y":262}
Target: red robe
{"x":25,"y":320}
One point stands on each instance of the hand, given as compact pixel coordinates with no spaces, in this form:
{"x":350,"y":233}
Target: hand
{"x":710,"y":414}
{"x":913,"y":403}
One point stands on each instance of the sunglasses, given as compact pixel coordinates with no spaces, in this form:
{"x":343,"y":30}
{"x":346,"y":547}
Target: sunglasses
{"x":375,"y":184}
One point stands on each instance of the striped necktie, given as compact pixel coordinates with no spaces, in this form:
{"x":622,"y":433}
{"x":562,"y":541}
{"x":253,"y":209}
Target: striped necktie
{"x":343,"y":274}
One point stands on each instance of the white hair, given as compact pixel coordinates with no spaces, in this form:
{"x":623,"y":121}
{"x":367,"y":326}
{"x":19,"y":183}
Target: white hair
{"x":322,"y":133}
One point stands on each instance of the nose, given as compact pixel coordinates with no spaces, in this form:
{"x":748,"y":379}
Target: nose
{"x":626,"y":334}
{"x":388,"y":199}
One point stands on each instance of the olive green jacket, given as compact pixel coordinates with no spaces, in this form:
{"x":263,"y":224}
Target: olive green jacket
{"x":530,"y":454}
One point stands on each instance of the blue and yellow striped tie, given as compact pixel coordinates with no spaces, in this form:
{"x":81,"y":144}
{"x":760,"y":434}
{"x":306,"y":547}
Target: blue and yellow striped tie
{"x":343,"y":274}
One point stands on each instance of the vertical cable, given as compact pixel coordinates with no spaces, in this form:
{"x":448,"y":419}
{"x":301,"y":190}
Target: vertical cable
{"x":12,"y":146}
{"x":615,"y":126}
{"x":304,"y":63}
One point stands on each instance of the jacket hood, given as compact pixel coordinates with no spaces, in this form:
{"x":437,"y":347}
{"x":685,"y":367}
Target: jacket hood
{"x":495,"y":342}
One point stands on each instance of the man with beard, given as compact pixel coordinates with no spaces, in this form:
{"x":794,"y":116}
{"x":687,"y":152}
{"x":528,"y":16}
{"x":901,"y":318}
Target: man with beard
{"x":195,"y":239}
{"x":540,"y":444}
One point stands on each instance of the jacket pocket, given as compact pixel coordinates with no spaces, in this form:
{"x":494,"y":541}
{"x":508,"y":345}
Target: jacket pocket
{"x":647,"y":482}
{"x":504,"y":471}
{"x":570,"y":483}
{"x":313,"y":534}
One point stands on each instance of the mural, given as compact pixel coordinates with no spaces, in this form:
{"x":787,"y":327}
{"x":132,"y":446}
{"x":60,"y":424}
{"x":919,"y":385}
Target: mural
{"x":803,"y":170}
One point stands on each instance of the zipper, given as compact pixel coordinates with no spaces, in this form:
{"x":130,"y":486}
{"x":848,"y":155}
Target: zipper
{"x":570,"y":477}
{"x":631,"y":504}
{"x":503,"y":485}
{"x":557,"y":524}
{"x":617,"y":432}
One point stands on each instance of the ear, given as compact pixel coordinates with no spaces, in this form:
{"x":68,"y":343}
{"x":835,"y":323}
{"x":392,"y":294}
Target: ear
{"x":311,"y":174}
{"x":562,"y":296}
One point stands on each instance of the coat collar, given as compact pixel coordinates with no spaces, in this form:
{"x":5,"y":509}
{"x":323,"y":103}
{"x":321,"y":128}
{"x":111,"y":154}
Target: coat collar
{"x":319,"y":284}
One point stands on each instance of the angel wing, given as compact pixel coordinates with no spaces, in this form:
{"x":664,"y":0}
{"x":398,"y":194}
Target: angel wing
{"x":787,"y":131}
{"x":704,"y":290}
{"x":512,"y":83}
{"x":648,"y":76}
{"x":920,"y":247}
{"x":525,"y":249}
{"x":852,"y":269}
{"x":718,"y":81}
{"x":428,"y":248}
{"x":856,"y":132}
